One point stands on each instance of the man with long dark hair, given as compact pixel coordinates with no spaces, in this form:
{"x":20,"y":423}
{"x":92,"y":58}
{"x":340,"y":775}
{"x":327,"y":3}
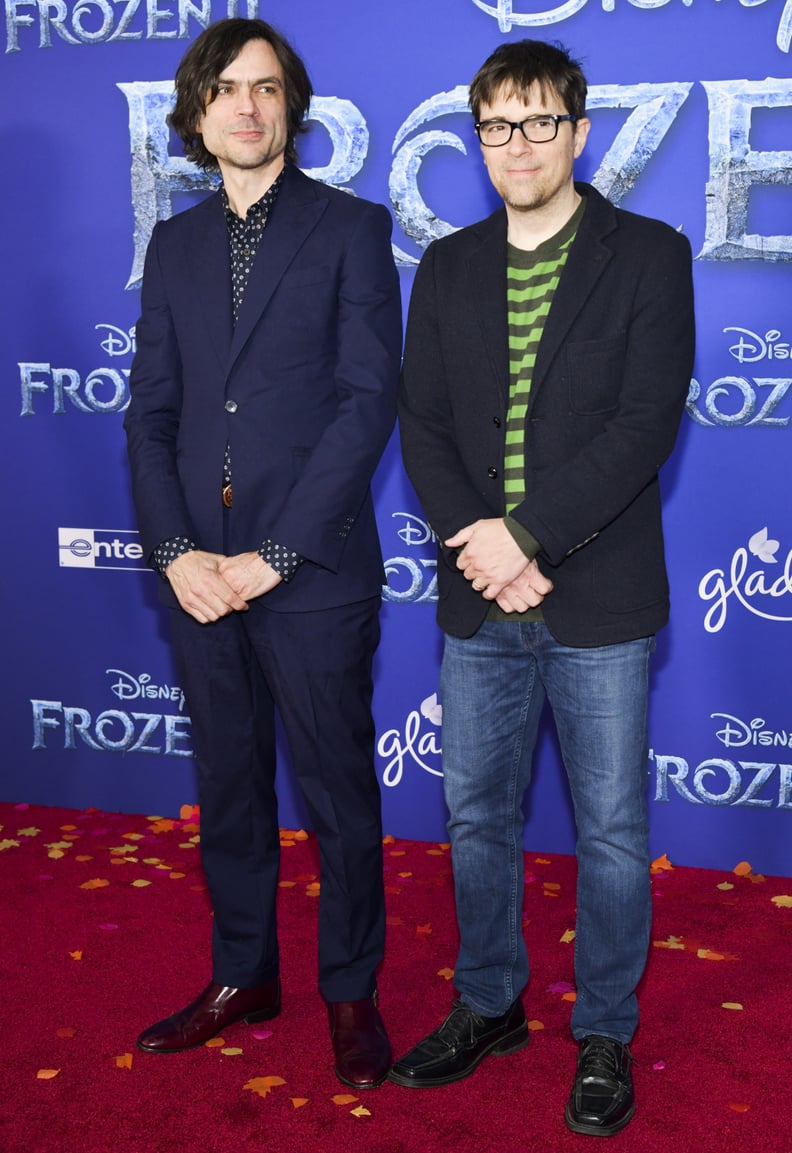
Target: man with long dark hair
{"x":263,"y":394}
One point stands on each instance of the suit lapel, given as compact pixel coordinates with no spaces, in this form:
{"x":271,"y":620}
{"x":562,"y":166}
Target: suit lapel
{"x":294,"y":215}
{"x":587,"y":260}
{"x":208,"y":267}
{"x":487,"y":289}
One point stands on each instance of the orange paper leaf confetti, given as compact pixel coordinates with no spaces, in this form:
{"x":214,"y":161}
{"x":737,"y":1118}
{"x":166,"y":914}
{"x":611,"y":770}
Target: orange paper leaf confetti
{"x":214,"y":1043}
{"x":124,"y":1061}
{"x":68,"y":1032}
{"x":298,"y":1102}
{"x":742,"y":870}
{"x":446,"y":974}
{"x":76,"y":955}
{"x":263,"y":1085}
{"x":47,"y":1074}
{"x":96,"y":883}
{"x":739,"y":1106}
{"x":343,"y":1099}
{"x":535,"y":1026}
{"x":661,"y":864}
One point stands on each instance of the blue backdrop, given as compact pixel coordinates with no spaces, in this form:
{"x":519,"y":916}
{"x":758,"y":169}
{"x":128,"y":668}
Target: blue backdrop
{"x":691,"y":124}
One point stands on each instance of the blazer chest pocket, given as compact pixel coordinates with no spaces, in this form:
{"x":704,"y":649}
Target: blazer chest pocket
{"x":596,"y":370}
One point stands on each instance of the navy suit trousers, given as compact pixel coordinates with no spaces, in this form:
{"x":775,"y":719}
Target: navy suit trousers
{"x":315,"y":669}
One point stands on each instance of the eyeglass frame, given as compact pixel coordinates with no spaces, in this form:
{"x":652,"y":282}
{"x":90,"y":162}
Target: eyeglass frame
{"x":512,"y":124}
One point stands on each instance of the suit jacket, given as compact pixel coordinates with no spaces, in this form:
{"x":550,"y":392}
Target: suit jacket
{"x":302,"y":388}
{"x":609,"y":386}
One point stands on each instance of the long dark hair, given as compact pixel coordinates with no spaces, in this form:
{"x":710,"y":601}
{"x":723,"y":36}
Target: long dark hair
{"x":205,"y":61}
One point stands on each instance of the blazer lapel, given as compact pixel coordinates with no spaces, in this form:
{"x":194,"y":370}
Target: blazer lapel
{"x":588,"y":259}
{"x":487,"y":288}
{"x":294,"y":216}
{"x":208,"y":266}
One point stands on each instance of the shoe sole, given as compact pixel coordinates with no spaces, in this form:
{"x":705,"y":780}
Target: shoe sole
{"x":597,"y":1130}
{"x":511,"y":1043}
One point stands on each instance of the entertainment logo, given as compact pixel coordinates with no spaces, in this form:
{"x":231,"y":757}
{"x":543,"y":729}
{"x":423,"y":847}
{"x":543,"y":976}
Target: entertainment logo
{"x":103,"y":548}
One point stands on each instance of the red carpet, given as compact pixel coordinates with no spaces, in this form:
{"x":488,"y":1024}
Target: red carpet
{"x":105,"y":927}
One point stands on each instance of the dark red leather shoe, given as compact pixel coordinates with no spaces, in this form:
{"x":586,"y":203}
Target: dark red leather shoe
{"x":361,"y":1046}
{"x":206,"y":1016}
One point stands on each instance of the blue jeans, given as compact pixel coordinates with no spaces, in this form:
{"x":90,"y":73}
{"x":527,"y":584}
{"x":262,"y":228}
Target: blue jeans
{"x":493,"y":687}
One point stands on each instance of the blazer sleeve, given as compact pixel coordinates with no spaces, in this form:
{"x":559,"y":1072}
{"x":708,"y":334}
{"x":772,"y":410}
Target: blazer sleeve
{"x":154,"y":413}
{"x":323,"y":504}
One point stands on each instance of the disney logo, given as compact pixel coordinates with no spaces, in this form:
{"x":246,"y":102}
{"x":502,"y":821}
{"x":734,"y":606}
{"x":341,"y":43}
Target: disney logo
{"x":736,"y":734}
{"x":415,"y":530}
{"x":751,"y":346}
{"x":129,"y":688}
{"x":118,"y":342}
{"x":748,"y":588}
{"x":414,"y":744}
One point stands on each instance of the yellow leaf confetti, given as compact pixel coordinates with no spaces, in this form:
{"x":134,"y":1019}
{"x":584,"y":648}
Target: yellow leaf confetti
{"x":8,"y":844}
{"x":783,"y":900}
{"x":231,"y":1051}
{"x":124,"y":1061}
{"x":568,"y":936}
{"x":731,"y":1005}
{"x":30,"y":832}
{"x":361,"y":1111}
{"x":343,"y":1099}
{"x":140,"y":884}
{"x":132,"y":836}
{"x":724,"y":886}
{"x":96,"y":883}
{"x":263,"y":1085}
{"x":186,"y":845}
{"x":47,"y":1074}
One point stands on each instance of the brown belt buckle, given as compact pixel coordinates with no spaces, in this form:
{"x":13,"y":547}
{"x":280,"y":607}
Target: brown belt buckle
{"x":227,"y":495}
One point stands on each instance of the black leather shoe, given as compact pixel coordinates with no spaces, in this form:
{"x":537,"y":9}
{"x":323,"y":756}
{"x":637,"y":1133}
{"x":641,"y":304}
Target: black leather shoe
{"x":360,"y":1044}
{"x":460,"y":1044}
{"x":602,"y":1100}
{"x":206,"y":1016}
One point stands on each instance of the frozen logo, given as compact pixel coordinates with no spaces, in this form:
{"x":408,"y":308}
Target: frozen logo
{"x":721,"y":781}
{"x":503,"y":12}
{"x":762,"y":591}
{"x":416,"y":744}
{"x":412,"y":578}
{"x":130,"y":688}
{"x":57,"y":725}
{"x":61,"y":390}
{"x":742,"y":401}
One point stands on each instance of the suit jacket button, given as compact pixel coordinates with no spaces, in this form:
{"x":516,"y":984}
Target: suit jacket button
{"x":496,"y":420}
{"x":492,"y":473}
{"x":231,"y":406}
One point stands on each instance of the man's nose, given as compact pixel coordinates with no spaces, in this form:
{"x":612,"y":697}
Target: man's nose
{"x":518,"y":143}
{"x":246,"y":105}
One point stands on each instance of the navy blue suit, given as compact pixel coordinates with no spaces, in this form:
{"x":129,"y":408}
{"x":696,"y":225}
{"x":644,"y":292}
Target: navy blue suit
{"x":302,"y":388}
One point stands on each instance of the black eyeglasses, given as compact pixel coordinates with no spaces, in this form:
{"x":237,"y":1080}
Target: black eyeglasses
{"x":535,"y":129}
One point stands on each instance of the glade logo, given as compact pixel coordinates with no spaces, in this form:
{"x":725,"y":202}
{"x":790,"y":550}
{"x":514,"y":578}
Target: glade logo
{"x":128,"y":687}
{"x":411,"y":579}
{"x":104,"y":548}
{"x":415,"y":744}
{"x":759,"y":591}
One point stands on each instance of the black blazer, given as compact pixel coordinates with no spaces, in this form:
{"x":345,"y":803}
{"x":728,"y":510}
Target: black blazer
{"x":303,"y":388}
{"x":611,"y":378}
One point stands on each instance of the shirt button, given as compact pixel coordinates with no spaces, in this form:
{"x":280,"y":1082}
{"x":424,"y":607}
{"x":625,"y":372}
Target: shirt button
{"x":231,"y":406}
{"x":492,"y":472}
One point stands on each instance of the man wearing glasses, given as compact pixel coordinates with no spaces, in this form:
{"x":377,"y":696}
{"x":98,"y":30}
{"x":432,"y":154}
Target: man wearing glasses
{"x":548,"y":357}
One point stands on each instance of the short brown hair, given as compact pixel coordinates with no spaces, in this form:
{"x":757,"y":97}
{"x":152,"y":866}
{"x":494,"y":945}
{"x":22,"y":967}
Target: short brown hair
{"x":205,"y":61}
{"x":513,"y":69}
